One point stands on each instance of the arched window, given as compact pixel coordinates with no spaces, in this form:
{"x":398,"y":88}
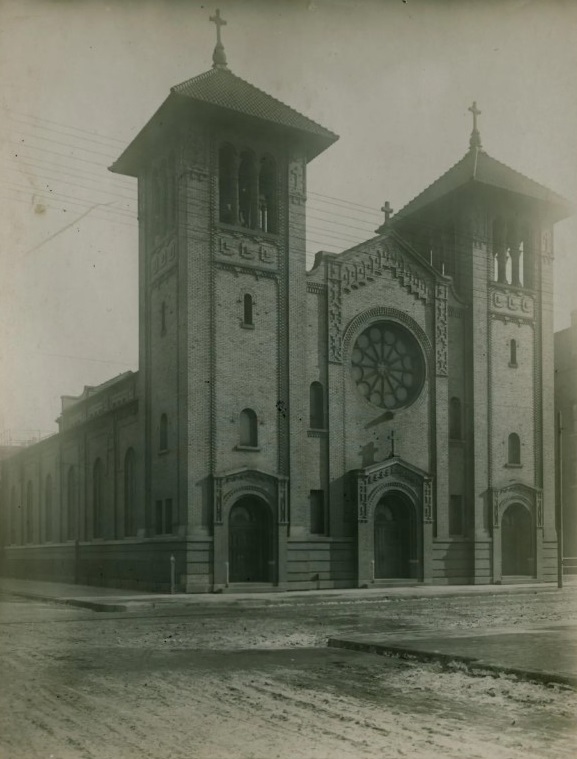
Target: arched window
{"x":526,"y":265}
{"x":514,"y":449}
{"x":71,"y":503}
{"x":247,"y":310}
{"x":163,"y":436}
{"x":48,"y":509}
{"x":13,"y":515}
{"x":317,"y":406}
{"x":155,"y":206}
{"x":455,"y":419}
{"x":248,"y":428}
{"x":227,"y":185}
{"x":247,"y":182}
{"x":267,"y":211}
{"x":513,"y":353}
{"x":170,"y":204}
{"x":97,"y":488}
{"x":29,"y":507}
{"x":500,"y":250}
{"x":129,"y":495}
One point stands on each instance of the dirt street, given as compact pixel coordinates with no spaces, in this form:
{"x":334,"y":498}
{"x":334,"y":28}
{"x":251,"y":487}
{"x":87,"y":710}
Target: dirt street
{"x":256,"y":680}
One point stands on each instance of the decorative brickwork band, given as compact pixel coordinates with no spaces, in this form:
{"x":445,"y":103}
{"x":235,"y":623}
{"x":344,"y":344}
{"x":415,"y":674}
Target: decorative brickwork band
{"x":427,"y":499}
{"x":335,"y":313}
{"x":370,"y":263}
{"x":272,"y":489}
{"x":441,"y":333}
{"x":362,"y":498}
{"x":393,"y":474}
{"x":517,"y":492}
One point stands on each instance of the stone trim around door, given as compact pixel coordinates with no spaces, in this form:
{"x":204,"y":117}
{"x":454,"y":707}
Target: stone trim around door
{"x":369,"y":485}
{"x":531,"y":499}
{"x":228,"y":489}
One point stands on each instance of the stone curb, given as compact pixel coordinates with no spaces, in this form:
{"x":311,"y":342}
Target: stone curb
{"x":470,"y":662}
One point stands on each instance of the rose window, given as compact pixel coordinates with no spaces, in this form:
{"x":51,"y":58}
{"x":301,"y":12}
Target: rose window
{"x":388,"y":365}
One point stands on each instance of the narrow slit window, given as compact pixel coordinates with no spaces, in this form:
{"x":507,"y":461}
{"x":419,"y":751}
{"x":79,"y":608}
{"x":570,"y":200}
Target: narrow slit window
{"x":248,"y":310}
{"x":513,"y":353}
{"x":163,"y":318}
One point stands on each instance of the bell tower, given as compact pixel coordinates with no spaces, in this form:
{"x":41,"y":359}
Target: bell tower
{"x":221,"y":169}
{"x":489,"y":230}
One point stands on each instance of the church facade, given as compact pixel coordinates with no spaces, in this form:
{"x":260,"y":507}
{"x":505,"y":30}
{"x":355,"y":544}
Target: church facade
{"x":386,"y":417}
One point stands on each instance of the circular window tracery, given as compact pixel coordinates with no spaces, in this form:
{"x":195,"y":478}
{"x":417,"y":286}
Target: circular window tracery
{"x":388,"y":365}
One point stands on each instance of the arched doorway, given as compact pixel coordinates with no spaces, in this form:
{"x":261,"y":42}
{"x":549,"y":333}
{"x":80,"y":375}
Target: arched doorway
{"x":516,"y":541}
{"x":395,"y":539}
{"x":250,"y":541}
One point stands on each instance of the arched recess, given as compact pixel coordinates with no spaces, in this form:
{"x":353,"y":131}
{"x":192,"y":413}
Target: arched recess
{"x":517,"y":541}
{"x":455,"y":419}
{"x":97,"y":499}
{"x":129,"y":492}
{"x":71,"y":516}
{"x":227,"y":184}
{"x":514,"y":449}
{"x":396,"y":544}
{"x":267,"y":201}
{"x":247,"y":190}
{"x":48,"y":516}
{"x":250,"y":543}
{"x":13,"y":516}
{"x":317,"y":406}
{"x":248,"y":437}
{"x":29,"y":509}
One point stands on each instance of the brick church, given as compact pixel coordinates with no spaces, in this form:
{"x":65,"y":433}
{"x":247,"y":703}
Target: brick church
{"x":385,"y":417}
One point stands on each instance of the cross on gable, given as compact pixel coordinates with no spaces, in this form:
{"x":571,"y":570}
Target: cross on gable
{"x":475,"y":141}
{"x":218,"y":56}
{"x":476,"y":112}
{"x":218,"y":21}
{"x":388,"y":211}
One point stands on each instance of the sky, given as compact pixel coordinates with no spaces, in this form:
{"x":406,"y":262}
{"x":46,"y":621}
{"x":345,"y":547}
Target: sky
{"x":78,"y":79}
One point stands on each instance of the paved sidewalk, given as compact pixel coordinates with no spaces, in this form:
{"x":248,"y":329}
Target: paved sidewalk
{"x":115,"y":599}
{"x":547,"y":653}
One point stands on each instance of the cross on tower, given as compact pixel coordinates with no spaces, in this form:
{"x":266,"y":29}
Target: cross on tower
{"x":218,"y":56}
{"x":388,"y":211}
{"x":475,"y":141}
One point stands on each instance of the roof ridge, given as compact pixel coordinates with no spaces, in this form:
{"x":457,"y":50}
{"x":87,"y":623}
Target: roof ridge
{"x":216,"y":72}
{"x":280,"y":102}
{"x":525,"y":177}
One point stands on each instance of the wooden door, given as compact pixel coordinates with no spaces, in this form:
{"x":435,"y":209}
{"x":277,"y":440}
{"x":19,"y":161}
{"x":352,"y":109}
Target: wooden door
{"x":392,"y":539}
{"x":249,"y":541}
{"x":516,"y":541}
